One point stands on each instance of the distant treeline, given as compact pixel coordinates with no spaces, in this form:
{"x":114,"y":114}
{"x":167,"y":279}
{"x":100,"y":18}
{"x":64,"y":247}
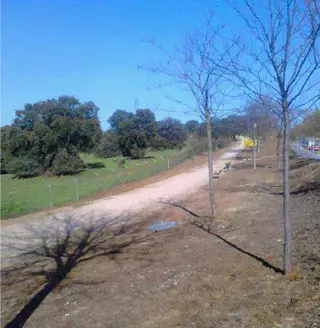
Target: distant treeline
{"x":309,"y":127}
{"x":47,"y":136}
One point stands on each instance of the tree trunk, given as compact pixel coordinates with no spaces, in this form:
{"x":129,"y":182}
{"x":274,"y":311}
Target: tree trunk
{"x":254,"y":147}
{"x":278,"y":150}
{"x":286,"y":192}
{"x":210,"y":165}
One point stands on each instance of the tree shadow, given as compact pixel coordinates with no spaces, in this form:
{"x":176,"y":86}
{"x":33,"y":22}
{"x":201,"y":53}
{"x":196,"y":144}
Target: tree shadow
{"x":59,"y":250}
{"x":144,"y":157}
{"x":206,"y":226}
{"x":96,"y":165}
{"x":174,"y":204}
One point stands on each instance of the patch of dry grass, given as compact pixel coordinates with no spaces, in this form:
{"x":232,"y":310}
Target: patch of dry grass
{"x":305,"y":175}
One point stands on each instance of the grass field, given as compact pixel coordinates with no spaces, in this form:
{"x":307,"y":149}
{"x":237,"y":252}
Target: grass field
{"x":21,"y":196}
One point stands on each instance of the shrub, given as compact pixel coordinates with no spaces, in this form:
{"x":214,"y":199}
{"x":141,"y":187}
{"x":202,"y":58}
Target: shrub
{"x":158,"y":143}
{"x":220,"y":143}
{"x":122,"y":163}
{"x":137,"y":153}
{"x":108,"y":146}
{"x":23,"y":167}
{"x":3,"y":164}
{"x":66,"y":163}
{"x":198,"y":144}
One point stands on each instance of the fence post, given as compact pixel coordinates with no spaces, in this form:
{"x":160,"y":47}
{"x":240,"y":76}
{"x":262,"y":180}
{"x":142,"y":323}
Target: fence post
{"x":10,"y":193}
{"x":77,"y":190}
{"x":95,"y":181}
{"x":168,"y":163}
{"x":50,"y":195}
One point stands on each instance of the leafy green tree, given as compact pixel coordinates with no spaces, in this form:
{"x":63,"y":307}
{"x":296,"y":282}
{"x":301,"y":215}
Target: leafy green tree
{"x":145,"y":121}
{"x":191,"y":126}
{"x":172,"y":131}
{"x":108,"y":145}
{"x":48,"y":131}
{"x":134,"y":131}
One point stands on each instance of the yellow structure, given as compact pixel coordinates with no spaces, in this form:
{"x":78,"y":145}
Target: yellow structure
{"x":248,"y":142}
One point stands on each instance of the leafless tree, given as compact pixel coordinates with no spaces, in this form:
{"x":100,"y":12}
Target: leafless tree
{"x":259,"y":123}
{"x":196,"y":68}
{"x":282,"y":60}
{"x":277,"y":123}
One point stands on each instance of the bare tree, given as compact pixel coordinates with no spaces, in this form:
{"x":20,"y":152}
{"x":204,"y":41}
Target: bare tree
{"x":259,"y":123}
{"x":282,"y":61}
{"x":196,"y":68}
{"x":279,"y":130}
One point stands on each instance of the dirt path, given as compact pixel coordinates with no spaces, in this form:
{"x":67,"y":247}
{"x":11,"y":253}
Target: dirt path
{"x":118,"y":209}
{"x":201,"y":274}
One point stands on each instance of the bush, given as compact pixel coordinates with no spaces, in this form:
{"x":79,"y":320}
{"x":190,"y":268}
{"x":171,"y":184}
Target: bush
{"x":122,"y":163}
{"x":3,"y":164}
{"x":137,"y":153}
{"x":197,"y":144}
{"x":158,"y":143}
{"x":66,"y":163}
{"x":23,"y":167}
{"x":108,"y":146}
{"x":220,"y":143}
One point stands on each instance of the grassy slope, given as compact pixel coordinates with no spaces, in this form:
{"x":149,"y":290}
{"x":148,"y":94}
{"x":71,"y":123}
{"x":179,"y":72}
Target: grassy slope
{"x":20,"y":196}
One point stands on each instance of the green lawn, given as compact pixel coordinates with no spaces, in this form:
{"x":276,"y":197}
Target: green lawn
{"x":21,"y":196}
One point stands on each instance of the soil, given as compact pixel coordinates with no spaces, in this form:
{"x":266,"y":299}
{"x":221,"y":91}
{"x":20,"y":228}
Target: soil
{"x":225,"y":273}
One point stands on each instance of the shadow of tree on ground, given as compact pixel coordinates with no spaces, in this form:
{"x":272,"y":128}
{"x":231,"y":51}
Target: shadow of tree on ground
{"x":59,"y":249}
{"x":205,"y":224}
{"x":96,"y":165}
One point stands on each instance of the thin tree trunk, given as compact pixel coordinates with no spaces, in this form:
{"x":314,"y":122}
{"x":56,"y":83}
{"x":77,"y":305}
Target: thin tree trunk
{"x":278,"y":150}
{"x":210,"y":165}
{"x":254,"y":148}
{"x":286,"y":193}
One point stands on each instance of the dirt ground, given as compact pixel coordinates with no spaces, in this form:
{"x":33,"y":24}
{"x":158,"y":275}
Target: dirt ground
{"x":197,"y":274}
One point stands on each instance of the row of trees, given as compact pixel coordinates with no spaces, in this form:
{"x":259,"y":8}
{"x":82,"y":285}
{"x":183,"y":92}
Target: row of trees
{"x":309,"y":127}
{"x":131,"y":133}
{"x":278,"y":64}
{"x":48,"y":135}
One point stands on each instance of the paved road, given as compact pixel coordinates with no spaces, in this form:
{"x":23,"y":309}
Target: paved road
{"x":302,"y":152}
{"x":119,"y":209}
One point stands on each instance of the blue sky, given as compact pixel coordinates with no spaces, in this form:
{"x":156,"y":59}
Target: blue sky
{"x":92,"y":50}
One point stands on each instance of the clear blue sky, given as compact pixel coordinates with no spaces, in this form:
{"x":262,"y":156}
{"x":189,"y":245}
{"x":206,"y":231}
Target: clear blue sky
{"x":91,"y":49}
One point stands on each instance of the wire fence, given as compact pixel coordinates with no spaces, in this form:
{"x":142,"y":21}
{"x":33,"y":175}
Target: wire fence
{"x":20,"y":196}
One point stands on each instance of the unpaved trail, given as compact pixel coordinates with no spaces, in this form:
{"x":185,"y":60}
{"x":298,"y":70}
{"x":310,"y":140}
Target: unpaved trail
{"x":117,"y":209}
